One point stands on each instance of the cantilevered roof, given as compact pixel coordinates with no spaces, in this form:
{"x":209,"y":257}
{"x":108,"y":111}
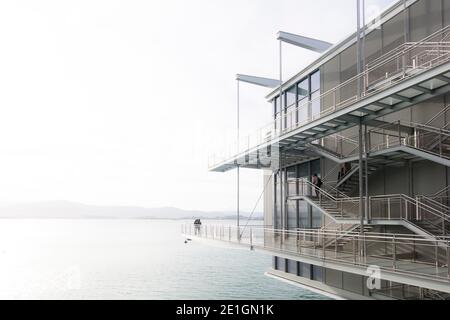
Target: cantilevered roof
{"x":259,"y":81}
{"x":392,"y":10}
{"x":304,"y":42}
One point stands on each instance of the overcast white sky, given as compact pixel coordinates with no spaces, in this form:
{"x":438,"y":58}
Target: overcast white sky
{"x":113,"y":102}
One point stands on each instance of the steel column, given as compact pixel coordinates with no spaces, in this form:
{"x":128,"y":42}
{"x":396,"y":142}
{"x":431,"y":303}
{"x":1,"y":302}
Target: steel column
{"x":238,"y":169}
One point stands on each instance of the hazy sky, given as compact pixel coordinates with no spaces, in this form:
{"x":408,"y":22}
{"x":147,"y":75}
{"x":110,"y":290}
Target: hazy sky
{"x":120,"y":102}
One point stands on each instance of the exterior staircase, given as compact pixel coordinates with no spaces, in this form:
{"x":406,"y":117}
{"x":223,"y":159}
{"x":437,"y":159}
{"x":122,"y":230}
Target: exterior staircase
{"x":414,"y":214}
{"x":349,"y":184}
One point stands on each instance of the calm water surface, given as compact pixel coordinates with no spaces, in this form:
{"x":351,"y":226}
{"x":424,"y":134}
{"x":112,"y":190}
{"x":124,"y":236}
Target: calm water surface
{"x":127,"y":259}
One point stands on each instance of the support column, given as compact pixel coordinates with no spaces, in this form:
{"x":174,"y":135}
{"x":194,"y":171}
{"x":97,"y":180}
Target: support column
{"x":281,"y":106}
{"x":361,"y":180}
{"x":238,"y":169}
{"x":366,"y":169}
{"x":358,"y":45}
{"x":361,"y":169}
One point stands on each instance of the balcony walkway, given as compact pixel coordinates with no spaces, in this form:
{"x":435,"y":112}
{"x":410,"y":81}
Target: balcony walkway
{"x":410,"y":74}
{"x":403,"y":262}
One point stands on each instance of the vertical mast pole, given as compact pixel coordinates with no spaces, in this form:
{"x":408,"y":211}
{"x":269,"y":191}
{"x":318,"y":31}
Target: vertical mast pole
{"x":238,"y":169}
{"x":361,"y":171}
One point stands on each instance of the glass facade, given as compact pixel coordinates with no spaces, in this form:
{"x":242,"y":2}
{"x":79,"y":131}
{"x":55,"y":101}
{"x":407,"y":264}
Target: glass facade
{"x":291,"y":105}
{"x":422,"y":19}
{"x":297,"y":214}
{"x":301,"y":269}
{"x":301,"y":97}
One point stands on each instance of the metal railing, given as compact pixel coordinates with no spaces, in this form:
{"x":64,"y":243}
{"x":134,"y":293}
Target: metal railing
{"x":404,"y":62}
{"x":423,"y":213}
{"x":403,"y":254}
{"x":341,"y":206}
{"x":340,"y":146}
{"x":422,"y":137}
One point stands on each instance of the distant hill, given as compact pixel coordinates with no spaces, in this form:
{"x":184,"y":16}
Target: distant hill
{"x":74,"y":210}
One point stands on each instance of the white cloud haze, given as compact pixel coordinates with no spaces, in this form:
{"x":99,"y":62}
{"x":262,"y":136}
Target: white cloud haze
{"x":120,"y":102}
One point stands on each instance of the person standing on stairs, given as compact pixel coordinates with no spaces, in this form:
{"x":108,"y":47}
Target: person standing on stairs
{"x":317,"y":183}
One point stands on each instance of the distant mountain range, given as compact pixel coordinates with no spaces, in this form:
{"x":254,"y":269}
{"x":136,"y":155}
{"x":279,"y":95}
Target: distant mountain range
{"x":74,"y":210}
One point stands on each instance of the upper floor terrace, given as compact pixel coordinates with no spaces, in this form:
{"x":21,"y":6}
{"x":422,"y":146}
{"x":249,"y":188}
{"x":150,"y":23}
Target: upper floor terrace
{"x":409,"y":74}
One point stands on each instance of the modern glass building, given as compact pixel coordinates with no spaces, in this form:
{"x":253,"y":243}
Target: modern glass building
{"x":371,"y":118}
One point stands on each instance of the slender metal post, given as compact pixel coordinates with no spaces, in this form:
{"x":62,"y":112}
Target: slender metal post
{"x":366,"y":169}
{"x":361,"y":186}
{"x":238,"y":169}
{"x":436,"y":252}
{"x":363,"y":44}
{"x":448,"y":259}
{"x":394,"y":253}
{"x":323,"y":245}
{"x":281,"y":88}
{"x":358,"y":43}
{"x":335,"y":245}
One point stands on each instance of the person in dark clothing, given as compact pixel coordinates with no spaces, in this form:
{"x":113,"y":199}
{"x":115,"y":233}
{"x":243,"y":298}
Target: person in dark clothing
{"x":197,"y":225}
{"x":317,"y":183}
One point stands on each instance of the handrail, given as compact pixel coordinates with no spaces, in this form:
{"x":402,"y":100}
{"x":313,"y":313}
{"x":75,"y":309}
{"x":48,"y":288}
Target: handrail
{"x":419,"y":209}
{"x":338,"y":202}
{"x":412,"y":44}
{"x":379,"y":249}
{"x":438,"y":115}
{"x":398,"y":236}
{"x":436,"y":203}
{"x":338,"y":139}
{"x":418,"y":139}
{"x":412,"y":125}
{"x":347,"y":176}
{"x":440,"y":192}
{"x":337,"y":191}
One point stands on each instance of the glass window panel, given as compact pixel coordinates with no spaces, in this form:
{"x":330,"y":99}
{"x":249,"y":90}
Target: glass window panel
{"x":317,"y":217}
{"x":292,"y":267}
{"x":281,"y":264}
{"x":302,"y":111}
{"x":303,"y":89}
{"x":317,"y":273}
{"x":305,"y":270}
{"x":274,"y":105}
{"x":292,"y":215}
{"x":277,"y":103}
{"x":277,"y":202}
{"x":315,"y":81}
{"x":292,"y":172}
{"x":304,"y":217}
{"x":315,"y":167}
{"x":291,"y":96}
{"x":291,"y":117}
{"x":303,"y":170}
{"x":315,"y":104}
